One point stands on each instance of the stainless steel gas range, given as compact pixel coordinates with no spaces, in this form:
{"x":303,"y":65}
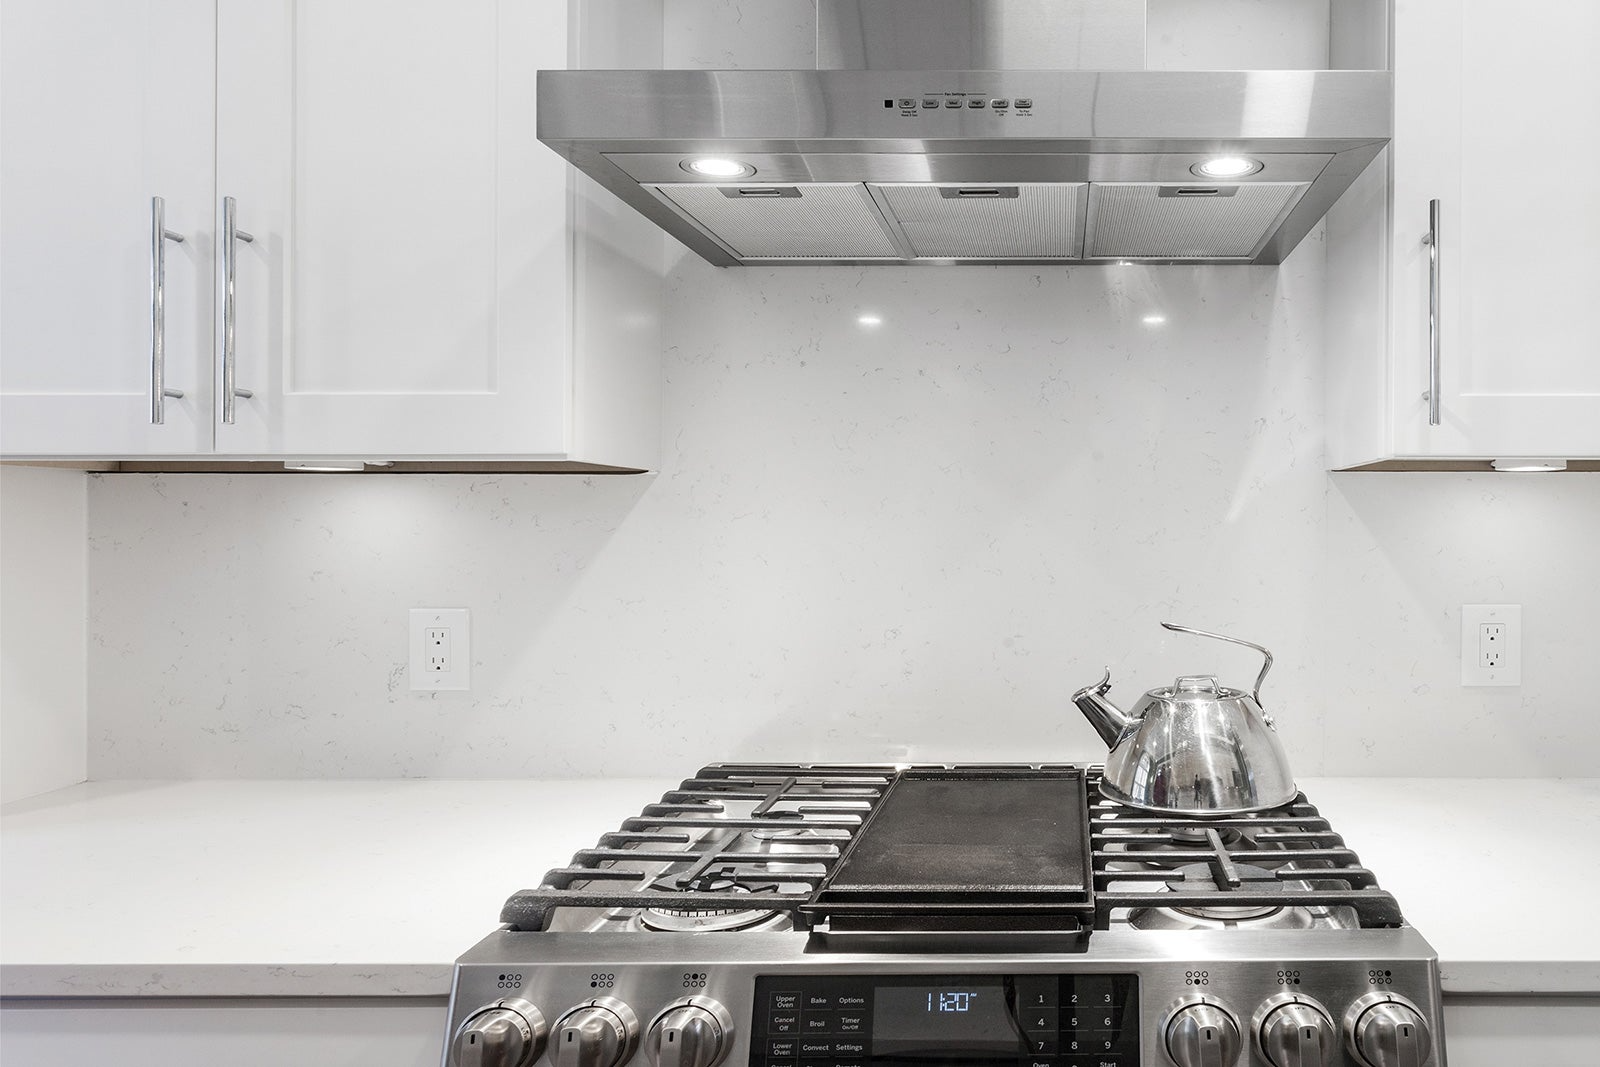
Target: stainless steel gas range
{"x":775,"y":915}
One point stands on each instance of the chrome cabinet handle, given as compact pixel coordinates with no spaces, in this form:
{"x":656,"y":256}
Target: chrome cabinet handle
{"x":159,"y":236}
{"x":1431,"y":239}
{"x":231,"y":236}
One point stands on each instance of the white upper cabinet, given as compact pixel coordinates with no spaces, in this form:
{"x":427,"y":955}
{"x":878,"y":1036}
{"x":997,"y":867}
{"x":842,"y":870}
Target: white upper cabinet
{"x":406,"y":288}
{"x":386,"y":263}
{"x":1494,"y":111}
{"x":105,"y":106}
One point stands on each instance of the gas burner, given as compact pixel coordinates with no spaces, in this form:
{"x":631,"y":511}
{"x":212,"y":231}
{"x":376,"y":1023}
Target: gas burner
{"x":1192,"y":918}
{"x":1200,"y":837}
{"x":1244,"y":877}
{"x":1201,"y":876}
{"x":707,"y":920}
{"x":1172,"y":839}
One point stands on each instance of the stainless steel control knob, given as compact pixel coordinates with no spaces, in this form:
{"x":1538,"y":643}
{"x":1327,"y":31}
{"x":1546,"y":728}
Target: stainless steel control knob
{"x":1387,"y":1030}
{"x":508,"y":1033}
{"x":1295,"y":1031}
{"x":693,"y":1032}
{"x":603,"y":1032}
{"x":1200,"y":1032}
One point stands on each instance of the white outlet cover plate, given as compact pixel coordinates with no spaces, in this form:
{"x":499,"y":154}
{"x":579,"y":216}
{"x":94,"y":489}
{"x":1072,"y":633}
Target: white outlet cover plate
{"x":1473,"y":616}
{"x":459,"y":623}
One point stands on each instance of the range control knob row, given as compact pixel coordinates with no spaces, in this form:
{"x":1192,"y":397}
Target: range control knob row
{"x":603,"y":1032}
{"x":693,"y":1032}
{"x":1201,"y":1032}
{"x":1295,"y":1031}
{"x":507,"y":1033}
{"x":1387,"y":1030}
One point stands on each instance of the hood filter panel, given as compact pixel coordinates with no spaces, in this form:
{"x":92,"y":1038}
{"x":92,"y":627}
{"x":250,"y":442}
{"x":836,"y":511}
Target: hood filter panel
{"x":1030,"y":221}
{"x":818,"y":221}
{"x":1203,"y":221}
{"x":1027,"y":222}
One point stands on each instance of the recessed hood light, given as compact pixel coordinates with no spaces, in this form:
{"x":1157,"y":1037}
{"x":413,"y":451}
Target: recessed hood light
{"x":1529,"y":464}
{"x":1226,"y":167}
{"x":713,"y":167}
{"x":334,"y":466}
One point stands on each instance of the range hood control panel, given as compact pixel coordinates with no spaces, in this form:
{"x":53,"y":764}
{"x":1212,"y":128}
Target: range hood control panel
{"x":932,"y":102}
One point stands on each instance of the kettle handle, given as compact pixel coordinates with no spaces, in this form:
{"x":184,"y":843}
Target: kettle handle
{"x":1265,"y":667}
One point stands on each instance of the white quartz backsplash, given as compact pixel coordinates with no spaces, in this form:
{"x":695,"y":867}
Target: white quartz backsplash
{"x":907,"y":539}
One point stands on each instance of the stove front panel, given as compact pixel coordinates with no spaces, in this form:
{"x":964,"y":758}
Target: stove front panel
{"x":791,"y":1002}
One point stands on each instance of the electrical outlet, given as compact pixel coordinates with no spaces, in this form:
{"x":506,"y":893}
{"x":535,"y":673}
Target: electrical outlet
{"x":1491,"y":644}
{"x":437,"y":641}
{"x":441,"y":656}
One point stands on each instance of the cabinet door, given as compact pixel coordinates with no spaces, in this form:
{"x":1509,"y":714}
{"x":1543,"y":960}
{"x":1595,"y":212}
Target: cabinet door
{"x":1520,"y":365}
{"x":405,"y":292}
{"x":104,"y":104}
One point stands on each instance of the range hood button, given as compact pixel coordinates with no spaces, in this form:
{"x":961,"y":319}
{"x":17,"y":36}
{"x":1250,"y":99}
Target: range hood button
{"x":930,"y":101}
{"x":1024,"y":101}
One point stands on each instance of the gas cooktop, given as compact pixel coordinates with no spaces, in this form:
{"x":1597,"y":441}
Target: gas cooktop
{"x":810,"y":915}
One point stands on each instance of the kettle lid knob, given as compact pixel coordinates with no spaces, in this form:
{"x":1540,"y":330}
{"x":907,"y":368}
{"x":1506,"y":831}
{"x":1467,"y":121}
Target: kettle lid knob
{"x":1195,"y":683}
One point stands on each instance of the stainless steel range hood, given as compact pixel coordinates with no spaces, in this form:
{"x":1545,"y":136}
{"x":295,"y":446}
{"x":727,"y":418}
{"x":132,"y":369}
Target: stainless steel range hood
{"x":940,"y":166}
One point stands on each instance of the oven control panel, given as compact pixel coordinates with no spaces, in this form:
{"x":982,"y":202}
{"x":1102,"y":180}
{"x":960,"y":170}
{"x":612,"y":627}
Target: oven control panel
{"x":764,"y":1000}
{"x":1059,"y":1020}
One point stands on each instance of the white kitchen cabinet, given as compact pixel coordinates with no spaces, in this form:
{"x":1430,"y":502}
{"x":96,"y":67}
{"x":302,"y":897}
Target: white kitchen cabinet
{"x":104,"y":105}
{"x":1489,"y":101}
{"x":242,"y":1032}
{"x":415,"y":276}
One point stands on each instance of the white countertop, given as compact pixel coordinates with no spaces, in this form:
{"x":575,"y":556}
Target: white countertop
{"x":372,"y":888}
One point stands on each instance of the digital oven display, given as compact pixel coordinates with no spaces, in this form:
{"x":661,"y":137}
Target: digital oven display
{"x":942,"y":1021}
{"x":1070,"y":1020}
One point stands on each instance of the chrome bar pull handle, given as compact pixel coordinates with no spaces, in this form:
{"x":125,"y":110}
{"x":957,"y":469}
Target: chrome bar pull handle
{"x":231,"y":236}
{"x":159,"y":236}
{"x":1431,"y":239}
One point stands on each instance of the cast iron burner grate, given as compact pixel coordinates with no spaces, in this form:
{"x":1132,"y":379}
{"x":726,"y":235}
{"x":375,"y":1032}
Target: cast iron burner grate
{"x":1286,"y":857}
{"x":738,"y":837}
{"x":709,"y":845}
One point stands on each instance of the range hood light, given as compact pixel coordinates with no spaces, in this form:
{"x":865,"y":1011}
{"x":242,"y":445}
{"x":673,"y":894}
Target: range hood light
{"x":1226,"y":167}
{"x":1529,"y":464}
{"x":870,"y":320}
{"x":1154,"y":320}
{"x":712,"y":167}
{"x":320,"y":465}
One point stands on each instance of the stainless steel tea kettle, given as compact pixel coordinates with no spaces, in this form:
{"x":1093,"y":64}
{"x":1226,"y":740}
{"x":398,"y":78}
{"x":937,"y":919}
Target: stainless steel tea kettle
{"x":1194,"y":748}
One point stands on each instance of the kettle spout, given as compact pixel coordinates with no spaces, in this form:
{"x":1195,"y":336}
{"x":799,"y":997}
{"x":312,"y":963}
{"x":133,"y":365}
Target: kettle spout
{"x":1107,"y":719}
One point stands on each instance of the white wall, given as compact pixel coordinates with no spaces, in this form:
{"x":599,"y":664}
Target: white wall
{"x":909,"y":541}
{"x":1405,"y":551}
{"x":43,"y":602}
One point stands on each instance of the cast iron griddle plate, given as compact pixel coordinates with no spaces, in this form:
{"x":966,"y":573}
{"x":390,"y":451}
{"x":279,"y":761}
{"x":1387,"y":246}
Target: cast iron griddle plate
{"x":980,"y":842}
